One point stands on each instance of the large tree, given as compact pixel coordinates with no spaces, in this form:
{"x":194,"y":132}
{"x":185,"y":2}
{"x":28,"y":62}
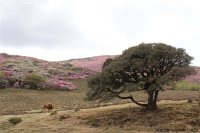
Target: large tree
{"x":146,"y":67}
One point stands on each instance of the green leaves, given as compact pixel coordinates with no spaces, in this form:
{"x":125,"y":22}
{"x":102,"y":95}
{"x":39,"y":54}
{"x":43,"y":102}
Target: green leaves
{"x":33,"y":79}
{"x":149,"y":66}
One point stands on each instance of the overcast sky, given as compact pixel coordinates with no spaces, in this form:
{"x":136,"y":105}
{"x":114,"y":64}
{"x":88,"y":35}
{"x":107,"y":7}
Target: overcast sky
{"x":65,"y":29}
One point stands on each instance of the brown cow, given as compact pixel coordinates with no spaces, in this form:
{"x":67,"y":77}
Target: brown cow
{"x":48,"y":106}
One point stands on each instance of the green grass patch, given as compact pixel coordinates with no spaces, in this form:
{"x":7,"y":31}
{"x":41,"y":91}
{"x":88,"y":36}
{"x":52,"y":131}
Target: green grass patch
{"x":186,"y":85}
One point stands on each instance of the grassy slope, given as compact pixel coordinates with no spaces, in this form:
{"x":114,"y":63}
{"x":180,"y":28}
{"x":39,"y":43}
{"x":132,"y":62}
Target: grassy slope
{"x":16,"y":101}
{"x":111,"y":119}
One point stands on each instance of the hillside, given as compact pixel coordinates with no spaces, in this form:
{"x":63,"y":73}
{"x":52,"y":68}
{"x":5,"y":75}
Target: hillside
{"x":92,"y":63}
{"x":58,"y":75}
{"x":196,"y":77}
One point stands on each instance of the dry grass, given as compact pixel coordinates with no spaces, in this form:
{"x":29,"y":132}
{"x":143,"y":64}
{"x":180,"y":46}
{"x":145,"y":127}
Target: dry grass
{"x":19,"y":101}
{"x":125,"y":118}
{"x":15,"y":101}
{"x":175,"y":116}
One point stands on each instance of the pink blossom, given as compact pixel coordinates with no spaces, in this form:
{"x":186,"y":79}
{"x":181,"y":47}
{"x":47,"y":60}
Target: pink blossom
{"x":196,"y":77}
{"x":58,"y":82}
{"x":2,"y":60}
{"x":93,"y":63}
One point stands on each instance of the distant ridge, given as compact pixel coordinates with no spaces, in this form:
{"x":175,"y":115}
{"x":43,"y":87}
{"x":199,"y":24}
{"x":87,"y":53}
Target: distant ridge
{"x":58,"y":74}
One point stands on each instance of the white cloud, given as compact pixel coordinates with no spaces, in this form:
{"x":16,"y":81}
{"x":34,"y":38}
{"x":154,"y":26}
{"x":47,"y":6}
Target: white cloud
{"x":67,"y":29}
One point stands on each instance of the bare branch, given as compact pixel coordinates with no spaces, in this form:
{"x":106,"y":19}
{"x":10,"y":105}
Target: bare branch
{"x":160,"y":88}
{"x":127,"y":97}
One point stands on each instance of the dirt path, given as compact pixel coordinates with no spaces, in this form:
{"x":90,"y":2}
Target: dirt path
{"x":73,"y":121}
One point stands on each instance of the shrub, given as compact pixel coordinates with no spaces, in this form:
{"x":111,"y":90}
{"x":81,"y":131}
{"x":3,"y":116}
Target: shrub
{"x":2,"y":75}
{"x":34,"y":80}
{"x":15,"y":120}
{"x":76,"y":69}
{"x":4,"y":84}
{"x":186,"y":85}
{"x":67,"y":65}
{"x":107,"y":62}
{"x":12,"y":81}
{"x":189,"y":100}
{"x":54,"y":71}
{"x":35,"y":62}
{"x":59,"y":83}
{"x":199,"y":99}
{"x":62,"y":117}
{"x":94,"y":122}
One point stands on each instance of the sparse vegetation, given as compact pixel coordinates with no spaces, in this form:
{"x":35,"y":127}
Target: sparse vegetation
{"x":2,"y":74}
{"x":54,"y":112}
{"x":189,"y":100}
{"x":177,"y":115}
{"x":3,"y":82}
{"x":199,"y":99}
{"x":94,"y":122}
{"x":186,"y":85}
{"x":62,"y":117}
{"x":15,"y":120}
{"x":174,"y":116}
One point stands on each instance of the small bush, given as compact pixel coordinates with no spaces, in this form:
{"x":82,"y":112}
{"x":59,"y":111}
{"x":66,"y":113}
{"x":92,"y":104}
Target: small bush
{"x":94,"y":122}
{"x":4,"y":84}
{"x":54,"y":71}
{"x":76,"y":69}
{"x":15,"y":120}
{"x":189,"y":100}
{"x":12,"y":81}
{"x":62,"y":117}
{"x":77,"y":109}
{"x":35,"y":62}
{"x":107,"y":62}
{"x":34,"y":80}
{"x":2,"y":74}
{"x":199,"y":98}
{"x":67,"y":65}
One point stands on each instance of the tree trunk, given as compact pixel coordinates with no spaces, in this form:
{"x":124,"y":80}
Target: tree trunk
{"x":152,"y":100}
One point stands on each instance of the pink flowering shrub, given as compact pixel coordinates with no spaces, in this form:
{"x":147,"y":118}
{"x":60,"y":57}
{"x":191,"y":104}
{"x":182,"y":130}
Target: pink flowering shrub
{"x":80,"y":75}
{"x":57,"y":75}
{"x":194,"y":78}
{"x":1,"y":60}
{"x":93,"y":63}
{"x":59,"y":83}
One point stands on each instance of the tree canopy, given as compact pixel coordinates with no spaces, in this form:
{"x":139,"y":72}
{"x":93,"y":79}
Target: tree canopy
{"x":148,"y":67}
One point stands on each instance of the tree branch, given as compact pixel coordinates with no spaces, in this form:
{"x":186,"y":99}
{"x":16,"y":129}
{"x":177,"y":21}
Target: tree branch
{"x":160,"y":88}
{"x":127,"y":97}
